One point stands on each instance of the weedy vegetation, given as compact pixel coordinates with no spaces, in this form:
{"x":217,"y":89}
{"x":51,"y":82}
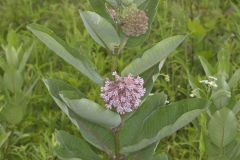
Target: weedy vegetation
{"x":174,"y":93}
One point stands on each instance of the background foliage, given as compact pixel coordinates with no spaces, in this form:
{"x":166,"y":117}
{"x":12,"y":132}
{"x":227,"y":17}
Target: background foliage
{"x":213,"y":26}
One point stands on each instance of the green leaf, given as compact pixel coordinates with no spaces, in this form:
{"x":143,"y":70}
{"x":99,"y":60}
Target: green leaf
{"x":139,"y":2}
{"x":236,"y":107}
{"x":144,"y":154}
{"x":222,"y":94}
{"x":13,"y":38}
{"x":154,"y":55}
{"x":133,"y":125}
{"x":213,"y":152}
{"x":70,"y":147}
{"x":3,"y":135}
{"x":209,"y":71}
{"x":161,"y":156}
{"x":15,"y":109}
{"x":113,"y":2}
{"x":150,"y":7}
{"x":3,"y":64}
{"x":164,"y":121}
{"x":24,"y":59}
{"x":221,"y":132}
{"x":70,"y":55}
{"x":100,"y":8}
{"x":229,"y":152}
{"x":150,"y":76}
{"x":28,"y":91}
{"x":101,"y":30}
{"x":13,"y":79}
{"x":1,"y":86}
{"x":224,"y":61}
{"x":233,"y":151}
{"x":96,"y":135}
{"x":197,"y":29}
{"x":194,"y":84}
{"x":93,"y":112}
{"x":12,"y":56}
{"x":235,"y":80}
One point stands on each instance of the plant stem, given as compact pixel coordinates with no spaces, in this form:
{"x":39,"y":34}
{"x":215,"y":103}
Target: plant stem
{"x":122,"y":45}
{"x":116,"y":55}
{"x":116,"y":132}
{"x":115,"y":63}
{"x":117,"y":144}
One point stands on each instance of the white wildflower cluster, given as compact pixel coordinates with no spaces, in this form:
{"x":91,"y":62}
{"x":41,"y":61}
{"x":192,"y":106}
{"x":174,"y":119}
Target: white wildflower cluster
{"x":166,"y":77}
{"x":210,"y":82}
{"x":194,"y":92}
{"x":167,"y":102}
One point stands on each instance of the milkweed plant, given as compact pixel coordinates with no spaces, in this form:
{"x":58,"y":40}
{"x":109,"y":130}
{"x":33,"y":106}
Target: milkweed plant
{"x":133,"y":120}
{"x":219,"y":125}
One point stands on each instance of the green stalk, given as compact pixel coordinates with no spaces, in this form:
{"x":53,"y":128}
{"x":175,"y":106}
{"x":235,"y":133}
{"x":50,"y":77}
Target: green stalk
{"x":117,"y":144}
{"x":116,"y":132}
{"x":122,"y":45}
{"x":115,"y":63}
{"x":119,"y":52}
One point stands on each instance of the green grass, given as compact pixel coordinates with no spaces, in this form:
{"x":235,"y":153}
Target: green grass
{"x":211,"y":25}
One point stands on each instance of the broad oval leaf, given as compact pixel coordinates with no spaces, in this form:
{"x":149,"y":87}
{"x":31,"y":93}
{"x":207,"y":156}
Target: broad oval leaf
{"x":144,"y":154}
{"x":164,"y":121}
{"x":70,"y":147}
{"x":101,"y":30}
{"x":100,"y":8}
{"x":96,"y":135}
{"x":236,"y":107}
{"x":14,"y":111}
{"x":222,"y":94}
{"x":222,"y":127}
{"x":208,"y":69}
{"x":13,"y":79}
{"x":235,"y":80}
{"x":154,"y":55}
{"x":70,"y":55}
{"x":133,"y":124}
{"x":93,"y":112}
{"x":224,"y":64}
{"x":150,"y":76}
{"x":229,"y":152}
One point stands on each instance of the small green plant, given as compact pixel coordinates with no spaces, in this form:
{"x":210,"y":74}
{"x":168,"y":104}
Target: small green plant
{"x":133,"y":121}
{"x":15,"y":92}
{"x":220,"y":125}
{"x":3,"y":138}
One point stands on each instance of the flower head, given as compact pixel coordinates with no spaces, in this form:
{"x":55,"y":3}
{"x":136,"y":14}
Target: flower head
{"x":134,"y":23}
{"x":123,"y":94}
{"x":210,"y":82}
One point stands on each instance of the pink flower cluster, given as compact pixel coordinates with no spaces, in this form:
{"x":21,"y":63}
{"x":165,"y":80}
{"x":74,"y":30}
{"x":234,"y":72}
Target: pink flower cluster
{"x":123,"y":94}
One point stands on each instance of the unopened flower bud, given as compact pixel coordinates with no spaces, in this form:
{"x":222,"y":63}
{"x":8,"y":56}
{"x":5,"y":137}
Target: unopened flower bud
{"x":113,"y":13}
{"x":135,"y":23}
